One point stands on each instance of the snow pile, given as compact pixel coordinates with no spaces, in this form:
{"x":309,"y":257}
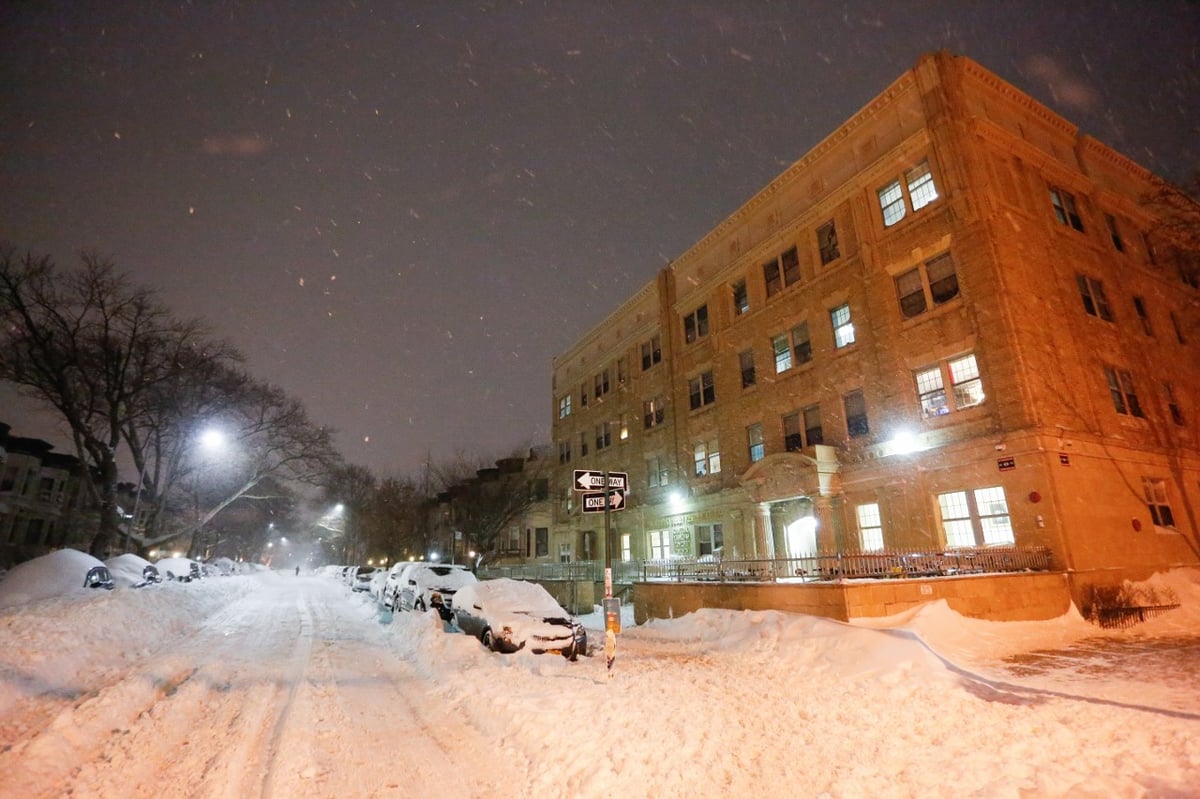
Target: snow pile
{"x":61,"y":573}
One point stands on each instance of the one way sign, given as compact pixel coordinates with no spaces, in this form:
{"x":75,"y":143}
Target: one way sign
{"x":594,"y":481}
{"x":594,"y":503}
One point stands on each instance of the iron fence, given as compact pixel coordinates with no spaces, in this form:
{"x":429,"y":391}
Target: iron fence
{"x":819,"y":566}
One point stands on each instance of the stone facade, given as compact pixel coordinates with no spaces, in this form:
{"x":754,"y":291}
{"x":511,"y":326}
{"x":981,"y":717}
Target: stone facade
{"x":953,"y":322}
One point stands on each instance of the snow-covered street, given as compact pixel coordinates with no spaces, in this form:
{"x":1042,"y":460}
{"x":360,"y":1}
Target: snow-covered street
{"x":274,"y":685}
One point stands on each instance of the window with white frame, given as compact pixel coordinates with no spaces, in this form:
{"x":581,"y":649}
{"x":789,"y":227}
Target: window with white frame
{"x":870,"y":527}
{"x":701,"y":390}
{"x":710,"y":539}
{"x":977,"y":517}
{"x":1120,"y":388}
{"x":626,"y":547}
{"x":916,"y":190}
{"x":1095,"y":302}
{"x":783,"y":353}
{"x":961,"y":374}
{"x":754,"y":438}
{"x":564,"y":406}
{"x":843,"y":326}
{"x":1155,"y":490}
{"x":927,"y":286}
{"x":706,"y":458}
{"x":659,"y":544}
{"x":564,"y":553}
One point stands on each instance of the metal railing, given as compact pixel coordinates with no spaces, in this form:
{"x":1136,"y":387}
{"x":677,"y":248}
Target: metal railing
{"x":819,"y":566}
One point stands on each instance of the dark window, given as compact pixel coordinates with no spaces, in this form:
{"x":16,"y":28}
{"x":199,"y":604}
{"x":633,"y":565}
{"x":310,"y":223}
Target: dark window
{"x":583,"y":444}
{"x":603,"y":436}
{"x":790,"y":260}
{"x":543,"y":541}
{"x":746,"y":362}
{"x":695,"y":324}
{"x":651,"y":352}
{"x":564,"y":452}
{"x":1115,"y":233}
{"x":812,"y":425}
{"x":1065,"y":210}
{"x":771,"y":277}
{"x":1120,"y":387}
{"x":801,"y":343}
{"x":792,"y":439}
{"x":930,"y":284}
{"x":1094,"y":300}
{"x":827,"y":242}
{"x":1173,"y":405}
{"x":741,"y":298}
{"x":652,"y":411}
{"x":1139,"y":305}
{"x":701,"y":390}
{"x":583,"y":395}
{"x":856,"y":414}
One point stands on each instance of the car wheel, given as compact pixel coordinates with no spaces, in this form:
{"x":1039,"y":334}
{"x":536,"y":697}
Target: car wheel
{"x":487,"y":639}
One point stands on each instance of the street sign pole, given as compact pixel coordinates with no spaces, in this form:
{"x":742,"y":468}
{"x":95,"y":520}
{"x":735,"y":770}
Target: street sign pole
{"x":611,"y":620}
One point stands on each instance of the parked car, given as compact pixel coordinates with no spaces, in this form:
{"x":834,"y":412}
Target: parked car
{"x":64,"y":572}
{"x":132,"y":571}
{"x":510,"y":615}
{"x":361,"y":579}
{"x":182,"y":569}
{"x":432,"y":586}
{"x":392,"y":583}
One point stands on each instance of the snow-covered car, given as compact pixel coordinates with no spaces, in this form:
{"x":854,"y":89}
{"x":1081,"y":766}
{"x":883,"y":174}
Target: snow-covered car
{"x":62,"y":572}
{"x":511,"y":615}
{"x":432,"y":585}
{"x":132,"y":571}
{"x":182,"y":569}
{"x":393,"y":582}
{"x":361,"y":581}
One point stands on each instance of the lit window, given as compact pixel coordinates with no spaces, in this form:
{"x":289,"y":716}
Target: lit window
{"x":843,"y":327}
{"x":626,"y":547}
{"x":962,"y":374}
{"x":921,"y":191}
{"x":920,"y":186}
{"x":975,"y":518}
{"x":623,"y":427}
{"x":659,"y":544}
{"x":706,"y":459}
{"x":754,"y":435}
{"x":783,"y":353}
{"x":870,"y":527}
{"x":564,"y":406}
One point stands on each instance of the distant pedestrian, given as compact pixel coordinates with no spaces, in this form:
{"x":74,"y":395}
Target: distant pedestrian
{"x":297,"y":571}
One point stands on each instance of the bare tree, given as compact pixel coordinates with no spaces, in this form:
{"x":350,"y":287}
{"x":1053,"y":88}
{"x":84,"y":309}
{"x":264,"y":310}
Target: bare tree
{"x":91,"y":345}
{"x":484,"y":505}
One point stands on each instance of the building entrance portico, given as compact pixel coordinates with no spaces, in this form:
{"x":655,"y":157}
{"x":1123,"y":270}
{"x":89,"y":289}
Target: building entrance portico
{"x":799,"y":501}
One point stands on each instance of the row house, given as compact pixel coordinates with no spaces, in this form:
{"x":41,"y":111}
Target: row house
{"x":956,"y":322}
{"x":42,"y":499}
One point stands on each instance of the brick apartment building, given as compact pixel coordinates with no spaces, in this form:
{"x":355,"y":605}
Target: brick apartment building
{"x":955,"y":322}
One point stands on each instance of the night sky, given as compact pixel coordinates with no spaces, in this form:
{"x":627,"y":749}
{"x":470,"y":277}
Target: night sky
{"x":402,"y":211}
